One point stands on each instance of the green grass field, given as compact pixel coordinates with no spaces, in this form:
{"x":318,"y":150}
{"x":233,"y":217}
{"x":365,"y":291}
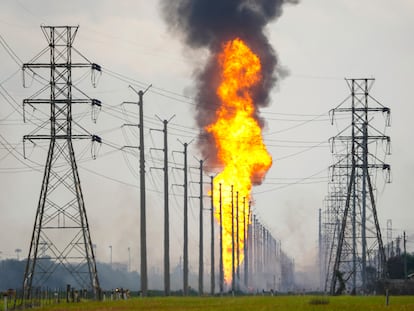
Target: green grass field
{"x":246,"y":303}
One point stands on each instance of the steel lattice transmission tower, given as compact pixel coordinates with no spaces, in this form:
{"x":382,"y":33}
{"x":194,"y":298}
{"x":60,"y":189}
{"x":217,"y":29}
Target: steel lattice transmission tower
{"x":358,"y":255}
{"x":61,"y":238}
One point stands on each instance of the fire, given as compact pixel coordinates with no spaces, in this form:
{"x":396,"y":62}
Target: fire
{"x":238,"y":139}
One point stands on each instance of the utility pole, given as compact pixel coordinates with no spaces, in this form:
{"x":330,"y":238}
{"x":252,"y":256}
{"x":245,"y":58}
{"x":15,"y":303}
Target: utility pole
{"x":61,"y":228}
{"x":320,"y":249}
{"x":405,"y":257}
{"x":200,"y":254}
{"x":185,"y":274}
{"x":185,"y":221}
{"x":264,"y":253}
{"x":221,"y":282}
{"x":167,"y":285}
{"x":255,"y":258}
{"x":260,"y":252}
{"x":232,"y":242}
{"x":237,"y":244}
{"x":143,"y":214}
{"x":245,"y":239}
{"x":185,"y":217}
{"x":166,"y":217}
{"x":185,"y":233}
{"x":249,"y":263}
{"x":212,"y":234}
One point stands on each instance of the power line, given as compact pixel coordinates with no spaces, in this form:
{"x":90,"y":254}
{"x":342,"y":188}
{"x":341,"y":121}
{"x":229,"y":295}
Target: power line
{"x":290,"y":184}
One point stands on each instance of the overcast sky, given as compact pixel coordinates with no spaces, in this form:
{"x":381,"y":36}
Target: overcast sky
{"x":319,"y":42}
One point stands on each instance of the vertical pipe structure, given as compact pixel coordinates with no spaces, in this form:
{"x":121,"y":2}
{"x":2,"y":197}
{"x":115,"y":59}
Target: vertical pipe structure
{"x":212,"y":283}
{"x":232,"y":241}
{"x":221,"y":272}
{"x":166,"y":216}
{"x":185,"y":274}
{"x":200,"y":254}
{"x":143,"y":216}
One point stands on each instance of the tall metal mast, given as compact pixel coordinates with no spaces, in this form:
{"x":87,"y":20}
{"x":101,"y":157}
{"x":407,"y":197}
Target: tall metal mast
{"x":201,"y":238}
{"x":212,"y":277}
{"x":359,"y":238}
{"x":61,"y":233}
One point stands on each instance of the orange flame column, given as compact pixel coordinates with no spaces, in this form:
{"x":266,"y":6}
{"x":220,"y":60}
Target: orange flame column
{"x":238,"y":139}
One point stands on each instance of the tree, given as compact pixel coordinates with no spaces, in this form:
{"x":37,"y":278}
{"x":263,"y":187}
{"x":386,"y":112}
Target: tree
{"x":395,"y":266}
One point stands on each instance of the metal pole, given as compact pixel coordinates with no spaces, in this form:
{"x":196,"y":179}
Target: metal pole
{"x":143,"y":222}
{"x":245,"y":242}
{"x":320,"y":248}
{"x":166,"y":217}
{"x":212,"y":234}
{"x":405,"y":257}
{"x":221,"y":245}
{"x":248,"y":250}
{"x":232,"y":241}
{"x":264,"y":261}
{"x":237,"y":244}
{"x":200,"y":260}
{"x":255,"y":256}
{"x":185,"y":289}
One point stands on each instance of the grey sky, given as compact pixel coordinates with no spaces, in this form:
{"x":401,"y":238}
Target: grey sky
{"x":319,"y":42}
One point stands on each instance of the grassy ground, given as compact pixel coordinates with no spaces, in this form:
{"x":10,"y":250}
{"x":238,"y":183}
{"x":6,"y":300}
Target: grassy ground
{"x":249,"y":303}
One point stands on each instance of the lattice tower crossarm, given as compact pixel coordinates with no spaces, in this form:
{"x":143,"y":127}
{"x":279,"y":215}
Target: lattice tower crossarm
{"x":61,"y":239}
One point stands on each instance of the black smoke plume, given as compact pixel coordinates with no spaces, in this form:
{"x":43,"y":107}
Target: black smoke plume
{"x":210,"y":23}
